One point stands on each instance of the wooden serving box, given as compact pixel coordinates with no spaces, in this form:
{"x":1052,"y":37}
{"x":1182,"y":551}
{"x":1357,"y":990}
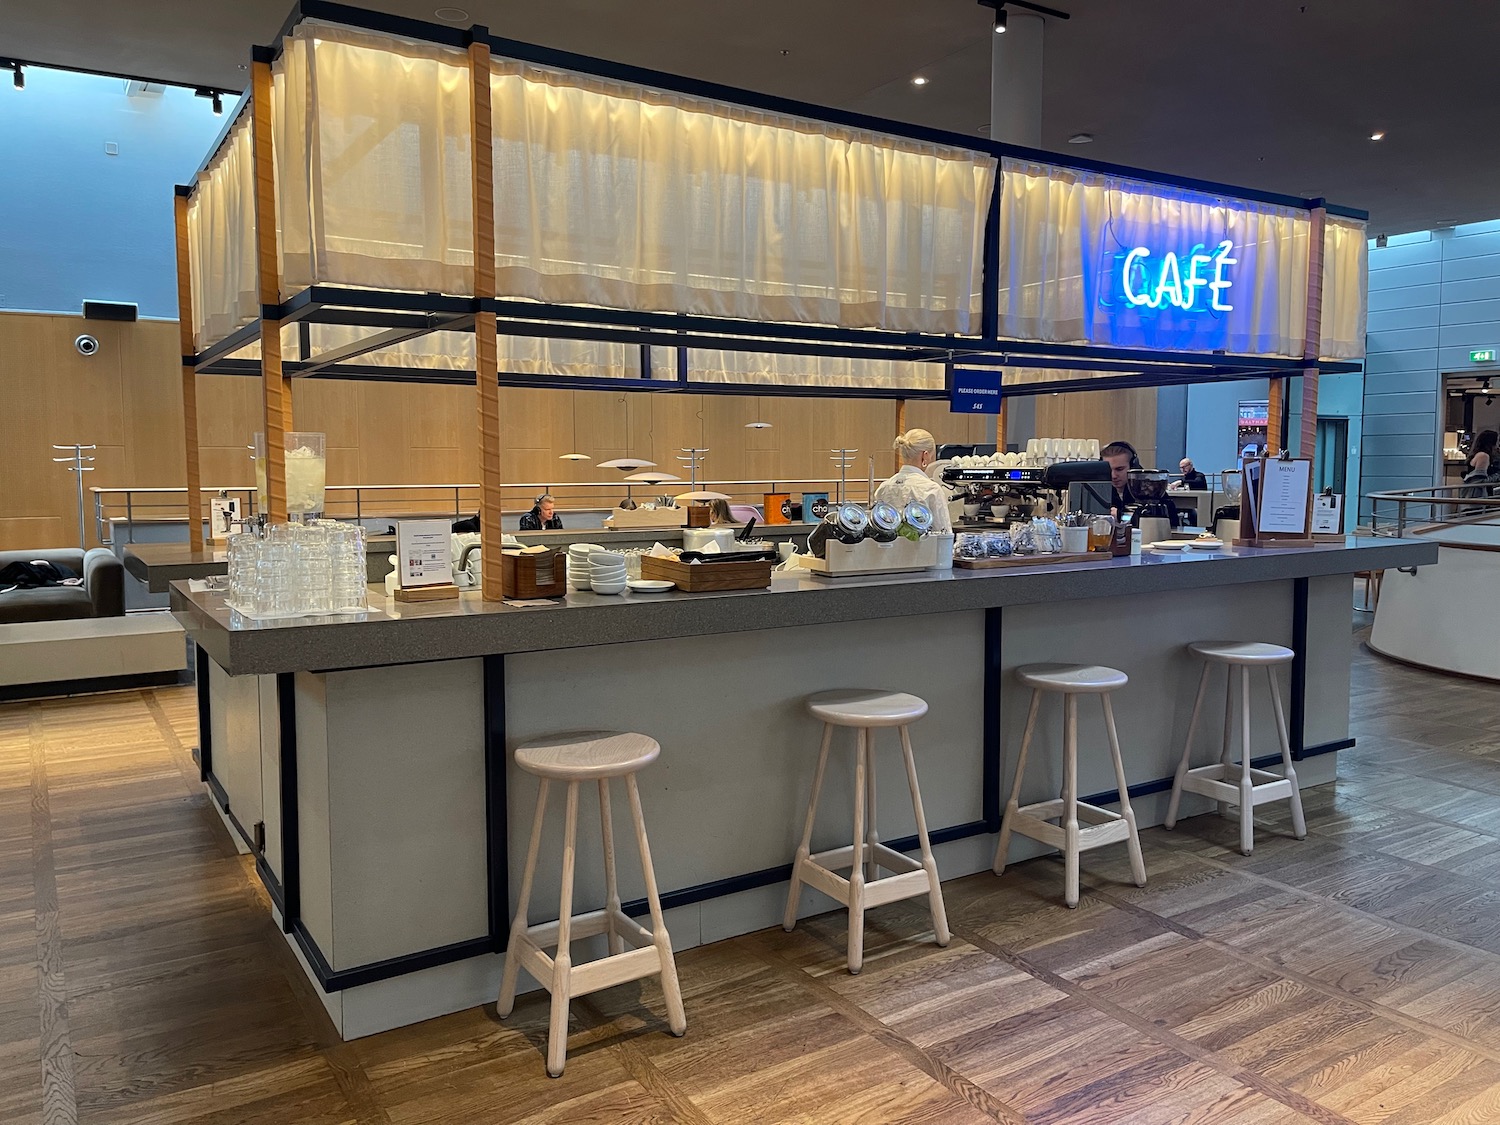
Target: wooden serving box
{"x":543,"y":574}
{"x":697,"y":578}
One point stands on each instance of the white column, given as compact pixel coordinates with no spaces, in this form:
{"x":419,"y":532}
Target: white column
{"x":1016,"y":81}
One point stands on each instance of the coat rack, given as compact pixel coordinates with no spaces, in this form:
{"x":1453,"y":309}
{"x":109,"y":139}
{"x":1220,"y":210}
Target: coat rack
{"x":78,"y":461}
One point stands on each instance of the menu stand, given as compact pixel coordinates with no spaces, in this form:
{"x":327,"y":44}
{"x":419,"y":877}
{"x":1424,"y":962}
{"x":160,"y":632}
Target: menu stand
{"x":1276,"y":503}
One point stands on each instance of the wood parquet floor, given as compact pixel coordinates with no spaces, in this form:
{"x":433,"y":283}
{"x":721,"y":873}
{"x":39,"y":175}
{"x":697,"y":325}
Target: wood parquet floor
{"x":1351,"y":977}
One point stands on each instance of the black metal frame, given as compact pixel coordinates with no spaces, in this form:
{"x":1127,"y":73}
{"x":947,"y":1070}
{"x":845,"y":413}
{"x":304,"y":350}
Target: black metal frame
{"x":397,"y":310}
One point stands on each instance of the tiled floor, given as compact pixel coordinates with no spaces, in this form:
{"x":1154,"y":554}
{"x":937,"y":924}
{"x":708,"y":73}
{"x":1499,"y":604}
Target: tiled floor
{"x":1350,"y":977}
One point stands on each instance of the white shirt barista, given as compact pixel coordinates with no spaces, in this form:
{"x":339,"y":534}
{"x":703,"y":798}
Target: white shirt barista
{"x":916,"y":450}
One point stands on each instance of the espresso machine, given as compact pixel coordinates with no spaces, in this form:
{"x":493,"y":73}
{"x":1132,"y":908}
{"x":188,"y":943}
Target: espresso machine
{"x":992,"y":495}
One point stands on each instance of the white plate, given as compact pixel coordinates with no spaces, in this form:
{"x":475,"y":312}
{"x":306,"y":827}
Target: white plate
{"x":651,"y":585}
{"x":1204,"y":544}
{"x":1169,"y":545}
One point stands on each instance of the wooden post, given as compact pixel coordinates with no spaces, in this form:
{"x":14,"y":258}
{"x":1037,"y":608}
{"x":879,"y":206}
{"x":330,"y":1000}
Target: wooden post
{"x":486,"y":345}
{"x":1000,"y":426}
{"x":900,"y":429}
{"x":1275,"y":412}
{"x":187,"y":348}
{"x":276,"y":390}
{"x":1313,"y":340}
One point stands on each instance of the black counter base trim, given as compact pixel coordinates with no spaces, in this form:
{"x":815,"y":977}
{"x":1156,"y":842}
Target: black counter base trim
{"x":1164,"y":784}
{"x":262,"y":868}
{"x":336,"y":980}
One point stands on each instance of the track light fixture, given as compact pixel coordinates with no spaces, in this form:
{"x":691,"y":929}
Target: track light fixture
{"x":18,"y":72}
{"x":215,"y":98}
{"x":1000,"y":7}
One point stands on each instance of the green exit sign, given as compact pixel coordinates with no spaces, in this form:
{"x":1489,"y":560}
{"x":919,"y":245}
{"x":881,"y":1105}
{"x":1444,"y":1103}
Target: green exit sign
{"x":1483,"y":355}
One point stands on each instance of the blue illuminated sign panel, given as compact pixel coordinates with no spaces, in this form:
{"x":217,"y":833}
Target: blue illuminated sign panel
{"x":1154,"y":281}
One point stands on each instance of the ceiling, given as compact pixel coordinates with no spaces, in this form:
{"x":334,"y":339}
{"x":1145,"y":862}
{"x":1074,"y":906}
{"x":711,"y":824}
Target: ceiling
{"x":1271,"y":94}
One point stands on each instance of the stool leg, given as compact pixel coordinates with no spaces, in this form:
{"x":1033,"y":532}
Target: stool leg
{"x":562,"y":962}
{"x":1187,"y":752}
{"x":856,"y":872}
{"x":789,"y":919}
{"x":507,"y":1001}
{"x":872,"y":837}
{"x":1224,"y":751}
{"x":1247,"y":787}
{"x":929,"y":864}
{"x":1002,"y":848}
{"x":611,"y":886}
{"x":1299,"y":822}
{"x":1070,"y":800}
{"x":1133,"y":841}
{"x":670,"y":989}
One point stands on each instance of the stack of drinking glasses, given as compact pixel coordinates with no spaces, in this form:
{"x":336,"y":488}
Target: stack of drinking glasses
{"x":298,"y":569}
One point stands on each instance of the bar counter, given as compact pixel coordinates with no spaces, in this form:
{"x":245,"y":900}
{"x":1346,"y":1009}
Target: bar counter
{"x":365,"y":762}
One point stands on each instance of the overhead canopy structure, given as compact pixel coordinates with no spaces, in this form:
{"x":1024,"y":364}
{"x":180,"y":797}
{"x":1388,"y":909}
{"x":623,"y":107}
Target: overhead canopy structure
{"x":656,"y":233}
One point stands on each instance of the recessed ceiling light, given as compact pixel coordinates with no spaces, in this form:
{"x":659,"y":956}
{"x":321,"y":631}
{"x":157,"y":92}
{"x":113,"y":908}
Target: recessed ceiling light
{"x":452,"y":15}
{"x":1378,"y":135}
{"x":919,"y":80}
{"x":1081,"y":139}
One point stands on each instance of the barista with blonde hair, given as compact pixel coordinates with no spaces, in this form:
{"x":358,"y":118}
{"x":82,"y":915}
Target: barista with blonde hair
{"x":916,"y":450}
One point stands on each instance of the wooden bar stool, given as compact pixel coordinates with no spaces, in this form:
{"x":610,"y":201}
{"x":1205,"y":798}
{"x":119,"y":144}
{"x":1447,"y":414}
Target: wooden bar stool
{"x":863,"y":889}
{"x":1241,"y":784}
{"x":1101,"y":826}
{"x":576,"y":758}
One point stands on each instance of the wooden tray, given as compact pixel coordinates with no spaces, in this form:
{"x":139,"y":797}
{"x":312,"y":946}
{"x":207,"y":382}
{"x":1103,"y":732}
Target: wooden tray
{"x":696,"y":579}
{"x":1029,"y":560}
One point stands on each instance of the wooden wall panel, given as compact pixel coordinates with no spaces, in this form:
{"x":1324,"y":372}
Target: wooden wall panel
{"x":127,"y":400}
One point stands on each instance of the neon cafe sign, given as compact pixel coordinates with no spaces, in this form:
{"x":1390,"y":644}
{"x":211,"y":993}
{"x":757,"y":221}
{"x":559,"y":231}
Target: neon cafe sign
{"x":1196,"y":282}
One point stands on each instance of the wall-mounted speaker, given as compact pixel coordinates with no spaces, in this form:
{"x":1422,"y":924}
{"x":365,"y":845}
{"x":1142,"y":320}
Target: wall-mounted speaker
{"x":109,"y":310}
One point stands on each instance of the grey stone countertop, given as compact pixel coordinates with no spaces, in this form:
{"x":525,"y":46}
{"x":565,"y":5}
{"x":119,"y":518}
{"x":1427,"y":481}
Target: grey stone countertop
{"x":404,"y":633}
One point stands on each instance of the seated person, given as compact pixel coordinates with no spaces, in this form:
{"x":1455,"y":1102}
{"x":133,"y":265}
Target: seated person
{"x":1192,"y":479}
{"x":543,"y":516}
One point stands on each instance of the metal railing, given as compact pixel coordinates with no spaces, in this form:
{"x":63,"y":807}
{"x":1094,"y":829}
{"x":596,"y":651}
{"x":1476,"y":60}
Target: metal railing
{"x":1417,"y":511}
{"x":411,"y":501}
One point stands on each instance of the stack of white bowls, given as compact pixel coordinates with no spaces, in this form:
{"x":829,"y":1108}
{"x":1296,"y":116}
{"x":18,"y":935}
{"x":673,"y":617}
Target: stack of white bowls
{"x":606,"y":571}
{"x":579,"y":570}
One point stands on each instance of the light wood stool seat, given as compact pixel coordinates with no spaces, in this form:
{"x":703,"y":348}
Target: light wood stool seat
{"x":594,"y":756}
{"x":1239,"y":784}
{"x":1101,"y":826}
{"x":863,"y":711}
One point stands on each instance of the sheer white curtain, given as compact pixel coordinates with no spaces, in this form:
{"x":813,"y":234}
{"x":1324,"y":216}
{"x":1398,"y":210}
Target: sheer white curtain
{"x":373,"y":162}
{"x":775,"y":369}
{"x":1346,"y":274}
{"x":617,"y":195}
{"x":1066,"y":242}
{"x":221,"y":241}
{"x":454,"y":351}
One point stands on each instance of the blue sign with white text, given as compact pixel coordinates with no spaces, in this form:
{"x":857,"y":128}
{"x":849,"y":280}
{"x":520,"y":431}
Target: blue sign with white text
{"x":974,"y":392}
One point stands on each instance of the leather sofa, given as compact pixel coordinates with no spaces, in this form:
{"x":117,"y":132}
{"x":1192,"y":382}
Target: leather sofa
{"x":101,"y":595}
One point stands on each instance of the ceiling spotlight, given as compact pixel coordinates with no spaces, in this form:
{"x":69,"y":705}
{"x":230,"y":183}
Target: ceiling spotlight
{"x":1381,"y":241}
{"x":18,"y":76}
{"x":1081,"y":139}
{"x":218,"y":103}
{"x":1378,"y":135}
{"x":919,"y":80}
{"x":1000,"y":20}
